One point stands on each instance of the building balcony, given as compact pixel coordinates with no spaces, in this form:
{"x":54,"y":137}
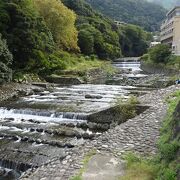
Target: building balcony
{"x":167,"y":36}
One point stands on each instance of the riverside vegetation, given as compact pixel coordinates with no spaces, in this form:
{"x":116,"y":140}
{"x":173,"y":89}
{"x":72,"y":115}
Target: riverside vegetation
{"x":161,"y":55}
{"x":127,"y":109}
{"x":45,"y":36}
{"x":166,"y":164}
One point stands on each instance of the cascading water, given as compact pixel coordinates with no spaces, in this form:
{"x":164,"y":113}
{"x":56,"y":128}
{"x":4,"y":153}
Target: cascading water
{"x":131,"y":66}
{"x":40,"y":127}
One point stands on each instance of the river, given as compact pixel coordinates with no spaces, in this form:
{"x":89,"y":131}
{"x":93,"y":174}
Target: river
{"x":40,"y":127}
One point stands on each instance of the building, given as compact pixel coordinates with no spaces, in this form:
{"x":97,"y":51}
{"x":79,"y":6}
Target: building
{"x":170,"y":30}
{"x":154,"y":43}
{"x":119,"y":23}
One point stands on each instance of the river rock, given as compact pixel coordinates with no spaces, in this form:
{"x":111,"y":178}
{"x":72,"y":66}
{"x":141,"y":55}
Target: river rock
{"x":82,"y":125}
{"x":90,"y":96}
{"x":86,"y":136}
{"x":24,"y":139}
{"x":39,"y":130}
{"x":2,"y":171}
{"x":71,"y":133}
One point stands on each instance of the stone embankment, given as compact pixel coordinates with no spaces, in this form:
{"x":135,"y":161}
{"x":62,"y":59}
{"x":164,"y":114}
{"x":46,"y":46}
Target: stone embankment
{"x":139,"y":134}
{"x":13,"y":90}
{"x":158,"y":69}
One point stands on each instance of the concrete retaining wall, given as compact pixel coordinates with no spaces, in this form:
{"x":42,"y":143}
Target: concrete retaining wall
{"x":157,"y":69}
{"x":113,"y":114}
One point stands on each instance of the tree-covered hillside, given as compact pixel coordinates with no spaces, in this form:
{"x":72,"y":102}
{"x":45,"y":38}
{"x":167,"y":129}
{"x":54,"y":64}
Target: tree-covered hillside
{"x":46,"y":36}
{"x":30,"y":38}
{"x":166,"y":3}
{"x":100,"y":35}
{"x":97,"y":34}
{"x":138,"y":12}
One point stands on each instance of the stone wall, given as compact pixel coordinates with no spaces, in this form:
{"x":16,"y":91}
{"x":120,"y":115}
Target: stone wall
{"x":92,"y":76}
{"x":158,"y":69}
{"x":63,"y":80}
{"x":96,"y":76}
{"x":113,"y":114}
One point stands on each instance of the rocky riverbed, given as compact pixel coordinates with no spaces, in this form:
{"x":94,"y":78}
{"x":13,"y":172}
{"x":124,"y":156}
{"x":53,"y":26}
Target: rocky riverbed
{"x":139,"y":134}
{"x":45,"y":131}
{"x":40,"y":125}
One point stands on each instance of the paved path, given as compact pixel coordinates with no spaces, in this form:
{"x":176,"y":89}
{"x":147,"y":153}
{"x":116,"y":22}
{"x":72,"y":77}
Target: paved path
{"x":103,"y":167}
{"x":139,"y":134}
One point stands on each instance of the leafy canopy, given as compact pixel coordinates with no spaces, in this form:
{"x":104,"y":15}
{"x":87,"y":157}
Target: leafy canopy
{"x":134,"y":40}
{"x":61,"y":21}
{"x":97,"y":34}
{"x":25,"y":31}
{"x":138,"y":12}
{"x":160,"y":53}
{"x":5,"y":62}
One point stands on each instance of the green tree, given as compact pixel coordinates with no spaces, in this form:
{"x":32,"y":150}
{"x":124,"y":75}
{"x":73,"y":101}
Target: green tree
{"x":97,"y":33}
{"x":25,"y":31}
{"x":61,"y":21}
{"x":5,"y":62}
{"x":86,"y":42}
{"x":134,"y":40}
{"x":160,"y":53}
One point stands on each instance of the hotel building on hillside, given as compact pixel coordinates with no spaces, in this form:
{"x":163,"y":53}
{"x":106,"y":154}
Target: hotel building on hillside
{"x":170,"y":30}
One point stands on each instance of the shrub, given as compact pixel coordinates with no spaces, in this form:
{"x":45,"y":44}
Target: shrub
{"x":5,"y":62}
{"x":145,"y":57}
{"x":139,"y":168}
{"x":174,"y":61}
{"x":86,"y":42}
{"x":168,"y":150}
{"x":160,"y":53}
{"x":167,"y":174}
{"x":127,"y":109}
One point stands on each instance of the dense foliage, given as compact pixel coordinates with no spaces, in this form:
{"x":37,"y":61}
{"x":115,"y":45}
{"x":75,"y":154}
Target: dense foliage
{"x":38,"y":32}
{"x":100,"y":35}
{"x":31,"y":39}
{"x":169,"y":143}
{"x":166,"y":3}
{"x":5,"y":62}
{"x":97,"y":34}
{"x":161,"y":55}
{"x":134,"y":40}
{"x":60,"y":20}
{"x":27,"y":34}
{"x":138,"y":12}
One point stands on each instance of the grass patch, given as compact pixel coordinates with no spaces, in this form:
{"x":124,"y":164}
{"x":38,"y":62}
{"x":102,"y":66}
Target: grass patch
{"x":169,"y":142}
{"x":139,"y":168}
{"x":79,"y":64}
{"x":85,"y":161}
{"x":166,"y":165}
{"x":127,"y":109}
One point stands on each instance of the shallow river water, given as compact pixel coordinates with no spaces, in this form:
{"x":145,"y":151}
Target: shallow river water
{"x":40,"y":127}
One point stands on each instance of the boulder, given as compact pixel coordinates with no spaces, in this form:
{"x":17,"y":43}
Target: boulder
{"x":90,"y":96}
